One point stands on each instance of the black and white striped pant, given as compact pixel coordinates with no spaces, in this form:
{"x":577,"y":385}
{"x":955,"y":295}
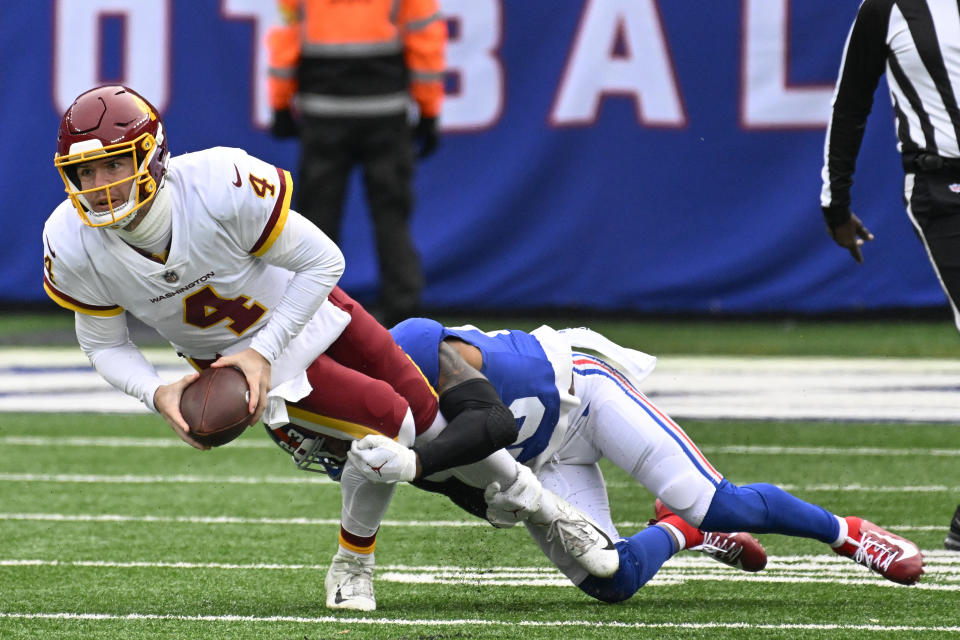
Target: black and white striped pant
{"x":933,"y":204}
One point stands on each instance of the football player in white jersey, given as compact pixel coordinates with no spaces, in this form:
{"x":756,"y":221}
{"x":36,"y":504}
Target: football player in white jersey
{"x":205,"y":249}
{"x":575,"y":408}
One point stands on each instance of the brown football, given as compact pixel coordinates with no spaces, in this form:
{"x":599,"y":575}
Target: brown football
{"x":215,"y":406}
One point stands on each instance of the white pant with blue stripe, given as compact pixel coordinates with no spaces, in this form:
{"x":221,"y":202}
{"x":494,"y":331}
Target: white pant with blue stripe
{"x":617,"y":422}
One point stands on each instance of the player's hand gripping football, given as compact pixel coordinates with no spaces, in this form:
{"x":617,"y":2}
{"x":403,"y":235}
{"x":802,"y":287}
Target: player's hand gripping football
{"x":380,"y":459}
{"x":256,"y":368}
{"x":167,"y":401}
{"x":851,"y":235}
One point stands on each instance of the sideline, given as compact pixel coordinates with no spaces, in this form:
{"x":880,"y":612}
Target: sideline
{"x":691,"y":387}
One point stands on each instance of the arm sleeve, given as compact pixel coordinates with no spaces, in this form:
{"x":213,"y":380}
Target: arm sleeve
{"x":107,"y":344}
{"x":479,"y":424}
{"x":425,"y":40}
{"x":317,"y":264}
{"x":864,"y":62}
{"x":283,"y":53}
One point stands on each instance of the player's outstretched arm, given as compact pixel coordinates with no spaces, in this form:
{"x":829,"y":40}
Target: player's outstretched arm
{"x":105,"y":341}
{"x":479,"y":424}
{"x":167,"y":401}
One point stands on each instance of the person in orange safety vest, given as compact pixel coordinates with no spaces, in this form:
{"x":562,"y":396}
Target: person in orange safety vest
{"x":343,"y":77}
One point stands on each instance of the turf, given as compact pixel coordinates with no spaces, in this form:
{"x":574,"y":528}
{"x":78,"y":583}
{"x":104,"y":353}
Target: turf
{"x":156,"y":540}
{"x":123,"y":542}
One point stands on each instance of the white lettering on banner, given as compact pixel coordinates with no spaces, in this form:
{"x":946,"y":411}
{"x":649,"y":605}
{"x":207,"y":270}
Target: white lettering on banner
{"x":620,"y":48}
{"x":767,"y":100}
{"x":477,"y":29}
{"x":77,"y":50}
{"x":263,"y":15}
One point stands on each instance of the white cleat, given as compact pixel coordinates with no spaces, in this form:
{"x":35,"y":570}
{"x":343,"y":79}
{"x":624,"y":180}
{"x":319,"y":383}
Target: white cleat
{"x":581,"y":538}
{"x":349,"y":582}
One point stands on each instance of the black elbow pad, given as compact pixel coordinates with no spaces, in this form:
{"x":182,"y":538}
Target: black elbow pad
{"x":502,"y":426}
{"x":478,"y":424}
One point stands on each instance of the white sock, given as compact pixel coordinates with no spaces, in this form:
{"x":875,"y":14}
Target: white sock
{"x":678,"y":537}
{"x":842,"y":535}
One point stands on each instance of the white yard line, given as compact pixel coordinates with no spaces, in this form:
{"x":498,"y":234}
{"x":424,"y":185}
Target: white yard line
{"x":68,"y":478}
{"x":808,"y":388}
{"x":313,"y":522}
{"x":120,"y":441}
{"x":798,"y":388}
{"x":942,"y":571}
{"x":746,"y":627}
{"x":216,"y":520}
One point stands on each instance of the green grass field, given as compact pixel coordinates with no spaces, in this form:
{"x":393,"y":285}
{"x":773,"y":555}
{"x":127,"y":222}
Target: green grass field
{"x":111,"y":528}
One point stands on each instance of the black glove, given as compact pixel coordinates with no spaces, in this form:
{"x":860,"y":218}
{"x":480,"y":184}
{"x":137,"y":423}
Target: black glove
{"x":283,"y":125}
{"x":426,"y":137}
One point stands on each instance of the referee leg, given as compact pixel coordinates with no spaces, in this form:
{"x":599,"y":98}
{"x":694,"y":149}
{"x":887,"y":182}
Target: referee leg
{"x":935,"y":211}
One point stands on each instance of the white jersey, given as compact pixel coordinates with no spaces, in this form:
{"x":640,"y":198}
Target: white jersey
{"x":213,"y":292}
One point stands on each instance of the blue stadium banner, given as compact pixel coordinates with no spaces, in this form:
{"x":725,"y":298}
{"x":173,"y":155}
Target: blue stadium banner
{"x":652,"y":156}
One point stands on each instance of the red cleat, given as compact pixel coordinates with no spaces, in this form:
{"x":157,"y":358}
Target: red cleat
{"x":895,"y":558}
{"x":738,"y":550}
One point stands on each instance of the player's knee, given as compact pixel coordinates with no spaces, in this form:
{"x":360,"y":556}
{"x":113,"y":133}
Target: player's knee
{"x":688,"y":495}
{"x":736,"y":509}
{"x":621,"y":585}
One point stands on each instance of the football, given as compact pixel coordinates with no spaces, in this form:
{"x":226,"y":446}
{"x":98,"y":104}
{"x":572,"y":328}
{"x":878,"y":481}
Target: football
{"x":215,"y":406}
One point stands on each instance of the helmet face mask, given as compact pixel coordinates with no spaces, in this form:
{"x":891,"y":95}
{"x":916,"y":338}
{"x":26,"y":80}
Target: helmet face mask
{"x":311,"y":451}
{"x":107,"y":122}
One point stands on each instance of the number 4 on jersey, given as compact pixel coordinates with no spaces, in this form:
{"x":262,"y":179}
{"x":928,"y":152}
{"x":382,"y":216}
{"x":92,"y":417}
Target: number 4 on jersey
{"x":261,"y":186}
{"x":206,"y":308}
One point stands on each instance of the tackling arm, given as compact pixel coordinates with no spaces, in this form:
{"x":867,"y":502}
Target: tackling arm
{"x":479,"y":424}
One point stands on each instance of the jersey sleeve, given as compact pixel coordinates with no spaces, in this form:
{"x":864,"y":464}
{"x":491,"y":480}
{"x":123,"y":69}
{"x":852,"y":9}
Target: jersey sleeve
{"x":249,"y":197}
{"x":106,"y":341}
{"x":68,"y":277}
{"x":420,"y":339}
{"x":283,"y":55}
{"x":425,"y":39}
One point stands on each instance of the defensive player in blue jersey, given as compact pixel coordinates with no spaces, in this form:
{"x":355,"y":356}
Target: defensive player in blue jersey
{"x":573,"y":408}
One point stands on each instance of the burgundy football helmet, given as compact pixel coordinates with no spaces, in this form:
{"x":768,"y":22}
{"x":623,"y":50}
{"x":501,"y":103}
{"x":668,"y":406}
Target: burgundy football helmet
{"x":111,"y":121}
{"x":311,"y":451}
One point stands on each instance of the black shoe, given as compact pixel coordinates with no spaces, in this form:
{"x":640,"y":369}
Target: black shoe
{"x":952,"y":541}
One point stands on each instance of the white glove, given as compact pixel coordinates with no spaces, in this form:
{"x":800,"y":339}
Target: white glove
{"x":517,"y":503}
{"x":383,"y":460}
